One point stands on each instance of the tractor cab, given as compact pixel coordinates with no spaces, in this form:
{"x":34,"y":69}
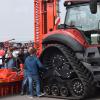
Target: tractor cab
{"x":79,"y":16}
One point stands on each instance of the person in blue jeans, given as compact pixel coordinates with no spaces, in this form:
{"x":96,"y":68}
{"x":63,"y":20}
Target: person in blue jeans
{"x":32,"y":65}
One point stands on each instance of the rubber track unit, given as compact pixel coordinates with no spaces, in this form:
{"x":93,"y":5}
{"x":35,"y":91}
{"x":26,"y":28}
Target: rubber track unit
{"x":82,"y":72}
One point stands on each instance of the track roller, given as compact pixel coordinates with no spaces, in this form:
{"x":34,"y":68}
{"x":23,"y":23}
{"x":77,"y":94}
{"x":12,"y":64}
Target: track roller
{"x":46,"y":90}
{"x":64,"y":91}
{"x":55,"y":90}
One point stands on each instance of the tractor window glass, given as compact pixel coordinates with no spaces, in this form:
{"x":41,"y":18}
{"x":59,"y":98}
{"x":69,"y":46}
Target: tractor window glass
{"x":81,"y":18}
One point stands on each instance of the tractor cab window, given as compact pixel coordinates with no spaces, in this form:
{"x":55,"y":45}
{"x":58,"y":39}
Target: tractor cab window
{"x":80,"y":16}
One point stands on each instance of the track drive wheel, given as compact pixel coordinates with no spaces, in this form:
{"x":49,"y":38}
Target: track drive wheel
{"x":77,"y":88}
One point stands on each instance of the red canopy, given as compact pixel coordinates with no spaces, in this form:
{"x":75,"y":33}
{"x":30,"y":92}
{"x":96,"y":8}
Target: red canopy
{"x":2,"y":52}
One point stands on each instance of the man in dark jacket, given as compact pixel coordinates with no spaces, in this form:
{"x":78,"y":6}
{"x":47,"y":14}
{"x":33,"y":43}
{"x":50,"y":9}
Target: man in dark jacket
{"x":32,"y":65}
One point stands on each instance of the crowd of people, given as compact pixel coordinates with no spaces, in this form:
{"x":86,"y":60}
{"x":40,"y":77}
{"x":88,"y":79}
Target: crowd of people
{"x":13,"y":57}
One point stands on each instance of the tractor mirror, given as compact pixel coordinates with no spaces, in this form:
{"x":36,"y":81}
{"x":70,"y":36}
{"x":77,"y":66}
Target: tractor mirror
{"x":93,"y":6}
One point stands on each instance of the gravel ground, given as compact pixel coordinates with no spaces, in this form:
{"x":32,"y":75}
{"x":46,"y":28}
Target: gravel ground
{"x":35,"y":98}
{"x":26,"y":98}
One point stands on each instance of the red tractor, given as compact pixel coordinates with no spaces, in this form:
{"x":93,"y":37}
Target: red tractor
{"x":71,"y":51}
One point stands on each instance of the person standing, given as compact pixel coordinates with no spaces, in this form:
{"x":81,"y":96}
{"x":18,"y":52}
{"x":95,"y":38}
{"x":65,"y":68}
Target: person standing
{"x":11,"y":63}
{"x":20,"y":59}
{"x":2,"y":58}
{"x":32,"y":65}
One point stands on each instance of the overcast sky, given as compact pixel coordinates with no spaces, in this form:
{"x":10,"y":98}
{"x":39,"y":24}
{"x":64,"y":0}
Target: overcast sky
{"x":16,"y":20}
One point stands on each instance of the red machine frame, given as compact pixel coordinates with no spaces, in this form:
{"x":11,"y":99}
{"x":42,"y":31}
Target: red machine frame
{"x":45,"y":15}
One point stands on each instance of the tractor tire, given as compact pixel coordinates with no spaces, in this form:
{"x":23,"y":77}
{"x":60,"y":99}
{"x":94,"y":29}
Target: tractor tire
{"x":62,"y":62}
